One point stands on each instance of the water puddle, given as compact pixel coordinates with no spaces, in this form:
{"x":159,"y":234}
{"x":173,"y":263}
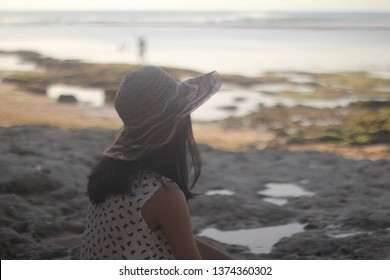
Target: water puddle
{"x":381,"y":74}
{"x":278,"y":87}
{"x":276,"y":201}
{"x":382,"y":89}
{"x":219,"y":192}
{"x":279,"y":193}
{"x":268,"y":100}
{"x":232,"y":102}
{"x":335,"y":232}
{"x":344,"y":234}
{"x":13,"y":63}
{"x":322,"y":103}
{"x":89,"y":96}
{"x":319,"y":122}
{"x":299,"y":78}
{"x":258,"y":240}
{"x":238,"y":102}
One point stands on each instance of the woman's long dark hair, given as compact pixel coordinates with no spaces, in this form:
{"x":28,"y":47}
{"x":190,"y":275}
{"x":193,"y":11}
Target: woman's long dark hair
{"x":178,"y":160}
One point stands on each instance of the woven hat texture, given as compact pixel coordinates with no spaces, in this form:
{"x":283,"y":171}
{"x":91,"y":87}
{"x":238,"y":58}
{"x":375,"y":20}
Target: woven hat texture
{"x":151,"y":103}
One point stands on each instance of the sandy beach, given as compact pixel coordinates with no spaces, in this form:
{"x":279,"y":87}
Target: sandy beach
{"x":322,"y":199}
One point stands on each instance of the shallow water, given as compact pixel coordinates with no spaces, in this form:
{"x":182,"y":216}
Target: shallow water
{"x":344,"y":234}
{"x":335,"y":232}
{"x":219,"y":192}
{"x":279,"y":193}
{"x":237,"y":102}
{"x":14,"y":63}
{"x":233,"y":102}
{"x":284,"y":189}
{"x":320,"y":122}
{"x":299,"y":78}
{"x":89,"y":96}
{"x":381,"y":74}
{"x":279,"y":87}
{"x":258,"y":240}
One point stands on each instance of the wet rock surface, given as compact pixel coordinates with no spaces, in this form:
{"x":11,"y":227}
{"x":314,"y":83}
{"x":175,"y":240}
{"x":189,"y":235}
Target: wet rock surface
{"x":43,"y":203}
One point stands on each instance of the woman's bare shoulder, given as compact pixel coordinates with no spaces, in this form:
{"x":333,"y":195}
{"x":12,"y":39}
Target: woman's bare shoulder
{"x":170,"y":192}
{"x":168,"y":198}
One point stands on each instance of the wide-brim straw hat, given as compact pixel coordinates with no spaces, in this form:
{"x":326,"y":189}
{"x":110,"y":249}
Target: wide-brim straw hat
{"x":151,"y":103}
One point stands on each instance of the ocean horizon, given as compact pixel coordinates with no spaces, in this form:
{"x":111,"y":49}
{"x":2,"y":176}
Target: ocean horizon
{"x":241,"y":19}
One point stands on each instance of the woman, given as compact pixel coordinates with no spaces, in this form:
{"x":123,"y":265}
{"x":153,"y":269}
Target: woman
{"x":140,"y":188}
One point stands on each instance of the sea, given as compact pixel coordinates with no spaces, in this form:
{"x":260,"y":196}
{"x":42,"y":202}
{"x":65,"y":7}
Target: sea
{"x":245,"y":43}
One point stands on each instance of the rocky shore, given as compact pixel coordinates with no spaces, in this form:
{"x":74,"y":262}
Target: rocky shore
{"x":43,"y":203}
{"x":331,"y":165}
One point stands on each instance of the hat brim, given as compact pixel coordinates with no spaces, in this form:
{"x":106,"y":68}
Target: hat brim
{"x":131,"y":144}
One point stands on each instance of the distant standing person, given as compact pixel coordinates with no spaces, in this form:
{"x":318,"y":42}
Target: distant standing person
{"x":141,"y":49}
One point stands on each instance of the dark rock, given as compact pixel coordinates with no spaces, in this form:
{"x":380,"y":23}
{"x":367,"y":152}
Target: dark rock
{"x":63,"y":98}
{"x":372,"y":104}
{"x":14,"y":245}
{"x":229,"y":108}
{"x":15,"y":209}
{"x":110,"y":95}
{"x":367,"y":219}
{"x":312,"y":244}
{"x":36,"y":88}
{"x":36,"y":182}
{"x":43,"y":183}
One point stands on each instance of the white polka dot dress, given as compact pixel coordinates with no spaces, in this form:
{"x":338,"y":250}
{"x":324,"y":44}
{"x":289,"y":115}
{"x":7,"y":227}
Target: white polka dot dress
{"x":115,"y":228}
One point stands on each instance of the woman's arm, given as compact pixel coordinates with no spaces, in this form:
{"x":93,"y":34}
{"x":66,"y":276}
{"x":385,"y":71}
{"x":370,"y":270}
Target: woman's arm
{"x":210,"y":253}
{"x":168,"y":208}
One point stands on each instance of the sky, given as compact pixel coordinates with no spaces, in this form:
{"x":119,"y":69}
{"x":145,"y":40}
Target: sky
{"x":201,"y":5}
